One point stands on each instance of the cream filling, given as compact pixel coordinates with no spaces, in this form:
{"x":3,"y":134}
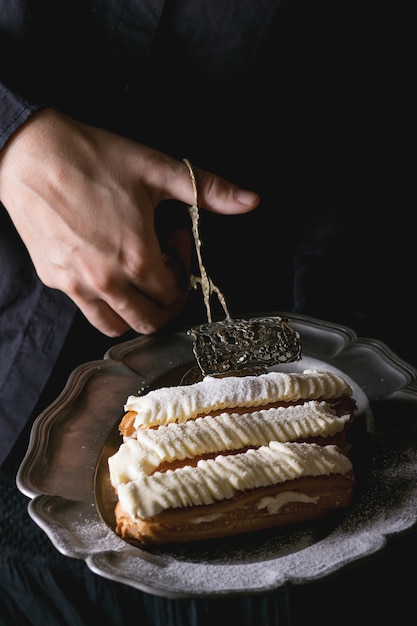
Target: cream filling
{"x":274,"y":503}
{"x":221,"y":478}
{"x":180,"y":403}
{"x":223,"y":432}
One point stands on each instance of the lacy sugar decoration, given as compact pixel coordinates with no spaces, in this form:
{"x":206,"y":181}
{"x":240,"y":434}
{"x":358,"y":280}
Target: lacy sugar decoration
{"x":235,"y":345}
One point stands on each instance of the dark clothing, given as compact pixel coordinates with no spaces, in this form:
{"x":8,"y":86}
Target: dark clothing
{"x":282,"y":97}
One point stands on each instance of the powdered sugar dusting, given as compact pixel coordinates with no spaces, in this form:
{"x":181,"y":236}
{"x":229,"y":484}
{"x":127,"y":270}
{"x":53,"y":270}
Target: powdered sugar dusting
{"x":385,"y":504}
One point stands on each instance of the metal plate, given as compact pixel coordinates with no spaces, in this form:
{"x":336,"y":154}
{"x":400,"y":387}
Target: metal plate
{"x":64,"y":472}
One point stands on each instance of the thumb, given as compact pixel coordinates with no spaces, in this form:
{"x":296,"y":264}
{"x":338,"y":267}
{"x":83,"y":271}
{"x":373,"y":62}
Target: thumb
{"x":220,"y":196}
{"x":214,"y":193}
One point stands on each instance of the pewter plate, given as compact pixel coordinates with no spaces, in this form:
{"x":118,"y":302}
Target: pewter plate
{"x":64,"y":472}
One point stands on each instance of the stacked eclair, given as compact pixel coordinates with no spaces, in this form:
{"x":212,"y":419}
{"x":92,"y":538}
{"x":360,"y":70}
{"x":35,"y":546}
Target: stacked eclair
{"x":230,"y":455}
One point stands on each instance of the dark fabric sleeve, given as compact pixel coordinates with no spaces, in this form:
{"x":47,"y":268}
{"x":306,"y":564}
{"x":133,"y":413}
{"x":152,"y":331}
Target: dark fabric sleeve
{"x":34,"y":321}
{"x":14,"y":111}
{"x":15,"y":68}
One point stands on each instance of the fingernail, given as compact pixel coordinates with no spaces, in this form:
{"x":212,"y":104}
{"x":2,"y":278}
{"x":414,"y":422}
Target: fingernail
{"x":247,"y":197}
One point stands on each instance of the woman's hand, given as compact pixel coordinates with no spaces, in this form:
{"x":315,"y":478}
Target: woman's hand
{"x":83,"y":202}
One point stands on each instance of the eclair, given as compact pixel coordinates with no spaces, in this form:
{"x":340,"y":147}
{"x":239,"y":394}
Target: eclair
{"x":231,"y":455}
